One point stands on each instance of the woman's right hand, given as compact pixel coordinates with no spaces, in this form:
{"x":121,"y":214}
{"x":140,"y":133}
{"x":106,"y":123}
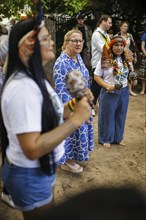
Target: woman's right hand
{"x":82,"y":111}
{"x":110,"y":87}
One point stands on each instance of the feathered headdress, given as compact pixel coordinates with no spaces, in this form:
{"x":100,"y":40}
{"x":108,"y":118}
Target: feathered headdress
{"x":117,"y":39}
{"x":39,"y":22}
{"x":39,"y":14}
{"x":107,"y":59}
{"x":27,"y":42}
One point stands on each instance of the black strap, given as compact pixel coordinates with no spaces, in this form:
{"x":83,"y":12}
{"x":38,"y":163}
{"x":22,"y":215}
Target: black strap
{"x":103,"y":35}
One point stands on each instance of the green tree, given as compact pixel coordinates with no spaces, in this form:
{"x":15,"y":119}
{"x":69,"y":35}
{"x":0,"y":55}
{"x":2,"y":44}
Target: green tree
{"x":10,"y":8}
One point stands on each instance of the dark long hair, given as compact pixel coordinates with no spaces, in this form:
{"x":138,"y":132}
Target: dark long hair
{"x":36,"y":72}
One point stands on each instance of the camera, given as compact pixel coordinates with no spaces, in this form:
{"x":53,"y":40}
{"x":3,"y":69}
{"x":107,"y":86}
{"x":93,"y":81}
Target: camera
{"x":118,"y":85}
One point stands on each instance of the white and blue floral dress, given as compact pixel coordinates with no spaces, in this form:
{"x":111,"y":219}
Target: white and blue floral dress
{"x":80,"y":142}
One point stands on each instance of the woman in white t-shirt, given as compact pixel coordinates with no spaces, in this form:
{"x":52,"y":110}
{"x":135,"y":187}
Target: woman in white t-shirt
{"x":33,"y":131}
{"x":111,"y":74}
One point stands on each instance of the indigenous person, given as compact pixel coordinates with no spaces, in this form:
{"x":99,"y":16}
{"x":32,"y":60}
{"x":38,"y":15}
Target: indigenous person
{"x":98,"y":40}
{"x":87,"y":33}
{"x":32,"y":125}
{"x":80,"y":142}
{"x":111,"y":74}
{"x":130,"y":44}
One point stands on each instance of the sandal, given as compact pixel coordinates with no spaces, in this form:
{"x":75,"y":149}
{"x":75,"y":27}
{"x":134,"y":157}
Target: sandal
{"x":76,"y":168}
{"x":122,"y":143}
{"x":107,"y":145}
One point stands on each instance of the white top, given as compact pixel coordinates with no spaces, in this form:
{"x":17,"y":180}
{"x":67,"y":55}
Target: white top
{"x":22,"y":110}
{"x":107,"y":74}
{"x":97,"y":44}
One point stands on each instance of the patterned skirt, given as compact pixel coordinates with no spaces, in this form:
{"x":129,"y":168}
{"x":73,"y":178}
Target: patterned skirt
{"x":142,"y":68}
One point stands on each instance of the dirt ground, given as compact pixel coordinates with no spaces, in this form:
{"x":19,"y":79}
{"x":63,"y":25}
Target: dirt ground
{"x":113,"y":167}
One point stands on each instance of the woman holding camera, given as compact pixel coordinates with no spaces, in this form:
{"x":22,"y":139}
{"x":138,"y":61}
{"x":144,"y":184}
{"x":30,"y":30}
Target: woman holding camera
{"x":111,"y":74}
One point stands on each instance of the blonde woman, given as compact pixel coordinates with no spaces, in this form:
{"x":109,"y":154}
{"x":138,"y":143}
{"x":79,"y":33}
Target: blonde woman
{"x":80,"y":142}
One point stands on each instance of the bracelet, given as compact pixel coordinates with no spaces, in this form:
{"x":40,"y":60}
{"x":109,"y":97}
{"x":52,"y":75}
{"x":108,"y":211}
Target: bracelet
{"x":71,"y":104}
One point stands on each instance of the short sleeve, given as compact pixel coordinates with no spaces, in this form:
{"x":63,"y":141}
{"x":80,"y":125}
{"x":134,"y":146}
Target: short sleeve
{"x":21,"y":107}
{"x":98,"y":70}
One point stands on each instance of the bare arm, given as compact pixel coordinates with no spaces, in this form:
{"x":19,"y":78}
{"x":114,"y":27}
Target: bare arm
{"x":103,"y":84}
{"x":143,"y":48}
{"x":35,"y":144}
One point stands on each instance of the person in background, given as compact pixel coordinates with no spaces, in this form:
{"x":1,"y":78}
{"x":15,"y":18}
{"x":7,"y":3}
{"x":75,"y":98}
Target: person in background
{"x":142,"y":68}
{"x":80,"y":142}
{"x":32,"y":128}
{"x":111,"y":74}
{"x":110,"y":34}
{"x":98,"y":40}
{"x":130,"y":44}
{"x":5,"y":196}
{"x":3,"y":30}
{"x":3,"y":54}
{"x":87,"y":33}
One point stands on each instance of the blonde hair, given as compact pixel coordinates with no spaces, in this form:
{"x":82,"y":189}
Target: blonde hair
{"x":67,"y":37}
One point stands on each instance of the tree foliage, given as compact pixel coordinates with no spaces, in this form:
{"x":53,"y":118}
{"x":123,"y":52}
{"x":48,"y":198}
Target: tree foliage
{"x":10,"y":8}
{"x":124,"y":9}
{"x":131,"y":10}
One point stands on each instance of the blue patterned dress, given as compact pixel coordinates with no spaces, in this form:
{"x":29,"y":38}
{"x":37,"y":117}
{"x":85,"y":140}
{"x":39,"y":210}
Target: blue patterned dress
{"x":80,"y":142}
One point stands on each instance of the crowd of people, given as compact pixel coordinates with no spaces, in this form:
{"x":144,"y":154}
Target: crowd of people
{"x":44,"y":127}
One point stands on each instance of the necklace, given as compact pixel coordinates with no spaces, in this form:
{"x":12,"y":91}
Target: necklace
{"x":116,"y":68}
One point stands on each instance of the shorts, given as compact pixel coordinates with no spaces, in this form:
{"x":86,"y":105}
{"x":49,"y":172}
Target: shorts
{"x":29,"y":188}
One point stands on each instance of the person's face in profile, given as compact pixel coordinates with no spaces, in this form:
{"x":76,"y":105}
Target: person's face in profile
{"x":107,"y":24}
{"x":124,"y":27}
{"x":46,"y":45}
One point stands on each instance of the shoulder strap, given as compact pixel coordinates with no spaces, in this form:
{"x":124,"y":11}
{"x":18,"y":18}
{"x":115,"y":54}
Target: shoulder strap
{"x":104,"y":39}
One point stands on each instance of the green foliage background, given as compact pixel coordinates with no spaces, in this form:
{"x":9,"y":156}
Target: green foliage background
{"x":131,"y":10}
{"x":13,"y":7}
